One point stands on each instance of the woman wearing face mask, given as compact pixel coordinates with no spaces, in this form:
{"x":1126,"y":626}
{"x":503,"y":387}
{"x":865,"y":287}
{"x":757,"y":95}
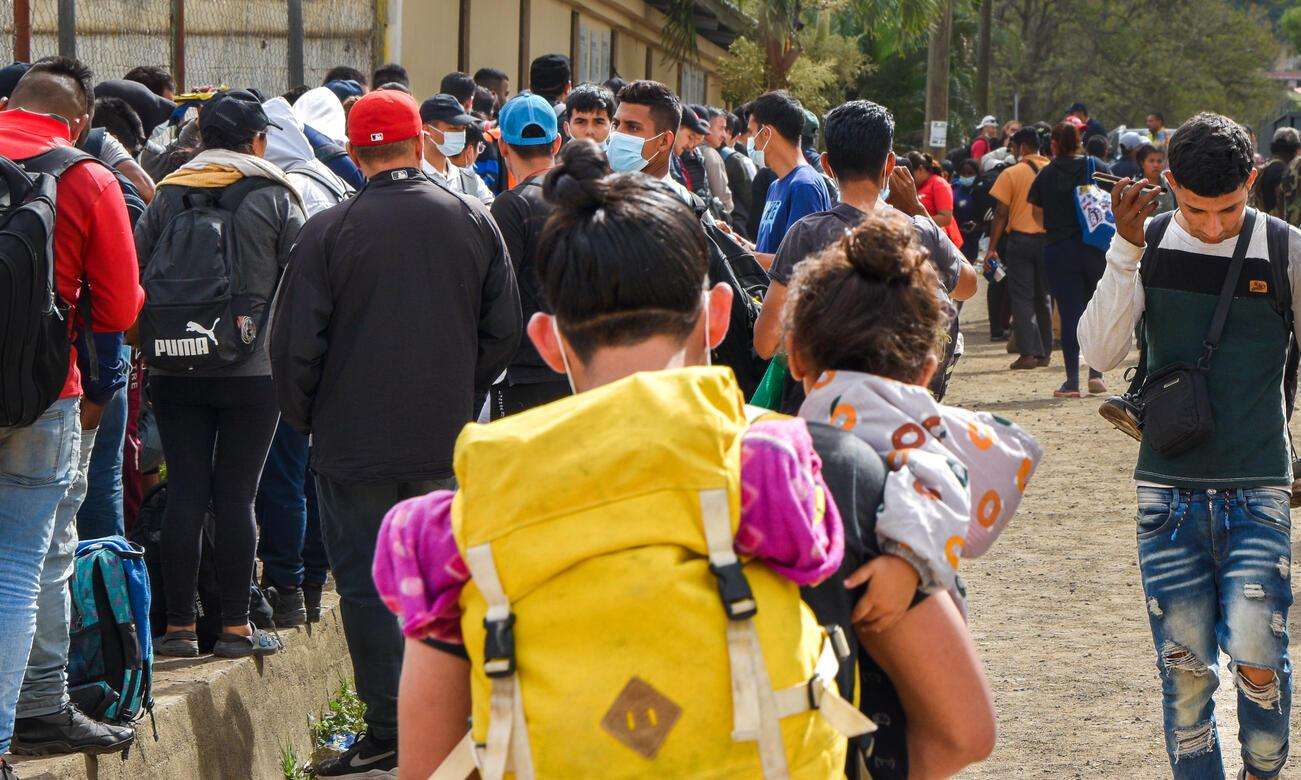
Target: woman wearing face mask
{"x":964,"y":209}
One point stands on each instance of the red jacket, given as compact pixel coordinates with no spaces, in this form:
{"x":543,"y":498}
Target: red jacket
{"x":92,"y":236}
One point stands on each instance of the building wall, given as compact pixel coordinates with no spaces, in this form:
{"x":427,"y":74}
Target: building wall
{"x":430,"y":29}
{"x":494,"y":37}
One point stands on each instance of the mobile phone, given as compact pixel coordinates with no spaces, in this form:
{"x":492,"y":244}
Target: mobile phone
{"x":1108,"y":182}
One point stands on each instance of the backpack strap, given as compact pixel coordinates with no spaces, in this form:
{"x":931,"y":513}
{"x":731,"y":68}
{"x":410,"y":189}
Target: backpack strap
{"x":1152,"y":237}
{"x":1278,"y":236}
{"x":507,"y":729}
{"x":56,"y":162}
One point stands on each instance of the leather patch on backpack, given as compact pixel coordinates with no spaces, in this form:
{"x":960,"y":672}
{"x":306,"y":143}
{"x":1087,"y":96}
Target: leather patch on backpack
{"x":641,"y":717}
{"x":1258,"y":286}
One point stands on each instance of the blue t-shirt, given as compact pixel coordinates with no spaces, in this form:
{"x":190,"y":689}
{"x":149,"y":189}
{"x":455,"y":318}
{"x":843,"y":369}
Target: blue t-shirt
{"x":791,"y":198}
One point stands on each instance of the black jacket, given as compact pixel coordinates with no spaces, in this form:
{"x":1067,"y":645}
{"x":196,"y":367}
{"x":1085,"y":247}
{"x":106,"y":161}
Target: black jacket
{"x":396,"y":308}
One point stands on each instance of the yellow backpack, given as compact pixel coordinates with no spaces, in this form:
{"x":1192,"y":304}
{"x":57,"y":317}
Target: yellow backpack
{"x":612,"y":630}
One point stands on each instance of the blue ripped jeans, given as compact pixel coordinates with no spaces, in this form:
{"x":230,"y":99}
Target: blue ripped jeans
{"x":1216,"y":569}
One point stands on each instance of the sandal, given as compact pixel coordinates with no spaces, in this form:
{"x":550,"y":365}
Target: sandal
{"x":178,"y":644}
{"x":1066,"y":391}
{"x":258,"y":643}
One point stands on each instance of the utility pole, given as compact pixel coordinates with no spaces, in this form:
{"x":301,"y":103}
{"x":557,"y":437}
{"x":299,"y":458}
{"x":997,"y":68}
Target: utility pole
{"x":935,"y":134}
{"x":984,"y":57}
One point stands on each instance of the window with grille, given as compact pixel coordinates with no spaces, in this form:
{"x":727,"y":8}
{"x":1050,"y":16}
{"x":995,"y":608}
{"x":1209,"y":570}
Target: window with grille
{"x":593,"y":55}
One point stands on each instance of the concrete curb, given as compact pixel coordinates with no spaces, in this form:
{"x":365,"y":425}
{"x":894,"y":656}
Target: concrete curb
{"x":222,"y":719}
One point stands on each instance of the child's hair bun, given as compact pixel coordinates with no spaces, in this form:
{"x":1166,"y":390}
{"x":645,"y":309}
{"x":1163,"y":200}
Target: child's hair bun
{"x":884,"y":250}
{"x":577,"y":182}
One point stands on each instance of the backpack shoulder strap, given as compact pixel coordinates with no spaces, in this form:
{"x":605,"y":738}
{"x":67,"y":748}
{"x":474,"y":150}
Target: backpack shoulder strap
{"x":1030,"y":163}
{"x":57,"y":161}
{"x":321,"y":179}
{"x":1152,"y":237}
{"x":1278,"y":237}
{"x":1277,"y":234}
{"x":234,"y":194}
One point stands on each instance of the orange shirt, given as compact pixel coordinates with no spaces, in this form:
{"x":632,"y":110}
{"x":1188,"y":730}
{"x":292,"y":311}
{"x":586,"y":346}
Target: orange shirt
{"x":1012,"y":189}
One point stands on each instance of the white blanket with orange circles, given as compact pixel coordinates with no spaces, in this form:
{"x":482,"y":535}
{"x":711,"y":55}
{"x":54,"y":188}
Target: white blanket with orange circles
{"x":955,"y":477}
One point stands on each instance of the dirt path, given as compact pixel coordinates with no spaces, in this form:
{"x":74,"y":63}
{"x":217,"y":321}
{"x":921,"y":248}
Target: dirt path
{"x":1056,"y":606}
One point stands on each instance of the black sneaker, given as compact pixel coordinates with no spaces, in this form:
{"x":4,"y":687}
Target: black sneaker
{"x":367,"y":759}
{"x":257,"y":643}
{"x":287,"y":608}
{"x":68,"y":731}
{"x":312,"y":602}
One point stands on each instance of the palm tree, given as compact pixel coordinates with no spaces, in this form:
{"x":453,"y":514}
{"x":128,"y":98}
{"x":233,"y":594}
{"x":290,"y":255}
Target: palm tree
{"x":887,"y":26}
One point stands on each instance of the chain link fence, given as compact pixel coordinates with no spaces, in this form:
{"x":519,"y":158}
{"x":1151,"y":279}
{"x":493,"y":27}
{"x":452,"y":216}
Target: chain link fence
{"x":236,"y":43}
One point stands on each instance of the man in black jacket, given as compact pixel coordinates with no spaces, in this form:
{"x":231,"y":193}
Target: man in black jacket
{"x":397,"y":308}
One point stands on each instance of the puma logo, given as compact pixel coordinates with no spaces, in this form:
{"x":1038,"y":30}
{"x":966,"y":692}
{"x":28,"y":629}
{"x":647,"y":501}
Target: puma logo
{"x":188,"y":347}
{"x":194,"y":327}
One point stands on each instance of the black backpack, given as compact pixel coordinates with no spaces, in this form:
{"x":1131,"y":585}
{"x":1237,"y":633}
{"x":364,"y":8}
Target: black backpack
{"x":734,"y":265}
{"x":204,"y":306}
{"x":983,"y":202}
{"x":34,"y":343}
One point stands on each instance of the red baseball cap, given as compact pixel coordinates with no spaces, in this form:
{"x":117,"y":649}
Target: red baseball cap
{"x":384,"y":116}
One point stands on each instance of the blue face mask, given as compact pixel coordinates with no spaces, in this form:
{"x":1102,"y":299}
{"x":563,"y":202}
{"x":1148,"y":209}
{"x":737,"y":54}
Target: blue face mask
{"x":624,"y":152}
{"x":966,"y":181}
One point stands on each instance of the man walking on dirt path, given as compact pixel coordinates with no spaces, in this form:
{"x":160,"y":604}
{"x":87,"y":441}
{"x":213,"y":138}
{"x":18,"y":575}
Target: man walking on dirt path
{"x":1214,"y":531}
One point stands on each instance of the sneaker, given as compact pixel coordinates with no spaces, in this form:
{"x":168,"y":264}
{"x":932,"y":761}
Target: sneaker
{"x":312,"y":602}
{"x":1118,"y":411}
{"x":239,"y":646}
{"x":1025,"y":363}
{"x":68,"y":731}
{"x":367,"y":759}
{"x":287,"y":608}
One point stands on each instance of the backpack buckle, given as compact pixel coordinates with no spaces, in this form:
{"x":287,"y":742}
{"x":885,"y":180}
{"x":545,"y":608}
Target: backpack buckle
{"x":734,"y":590}
{"x":499,"y":647}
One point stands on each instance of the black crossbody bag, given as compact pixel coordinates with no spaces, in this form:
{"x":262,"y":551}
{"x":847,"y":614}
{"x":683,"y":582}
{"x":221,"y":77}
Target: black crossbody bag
{"x":1174,"y":401}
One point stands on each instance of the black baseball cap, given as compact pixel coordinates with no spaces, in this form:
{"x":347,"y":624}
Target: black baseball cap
{"x":236,"y":115}
{"x":444,"y":108}
{"x":549,"y":72}
{"x":692,"y":121}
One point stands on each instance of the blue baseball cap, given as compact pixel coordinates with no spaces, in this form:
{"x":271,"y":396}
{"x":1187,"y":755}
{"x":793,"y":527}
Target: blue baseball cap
{"x":524,"y":111}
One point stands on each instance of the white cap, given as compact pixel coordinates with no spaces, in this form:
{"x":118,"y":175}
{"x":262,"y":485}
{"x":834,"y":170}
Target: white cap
{"x":989,"y":121}
{"x":997,"y":157}
{"x":1130,"y":140}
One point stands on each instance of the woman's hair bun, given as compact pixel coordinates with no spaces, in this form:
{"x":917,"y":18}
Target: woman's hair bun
{"x":577,"y":182}
{"x":884,"y":249}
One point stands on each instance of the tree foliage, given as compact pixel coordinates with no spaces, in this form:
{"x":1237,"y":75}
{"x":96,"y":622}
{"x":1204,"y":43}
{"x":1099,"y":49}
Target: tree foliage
{"x":1126,"y":59}
{"x":829,"y":63}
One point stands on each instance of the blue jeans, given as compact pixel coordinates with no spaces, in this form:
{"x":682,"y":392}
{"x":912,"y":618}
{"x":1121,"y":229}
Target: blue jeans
{"x":37,"y":464}
{"x":101,"y":513}
{"x":1216,"y":569}
{"x":290,"y":543}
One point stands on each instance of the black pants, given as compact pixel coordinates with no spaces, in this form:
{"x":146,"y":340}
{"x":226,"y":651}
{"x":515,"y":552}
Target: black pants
{"x":1027,"y":290}
{"x":215,"y":433}
{"x":1074,"y":269}
{"x":512,"y":399}
{"x":351,"y":514}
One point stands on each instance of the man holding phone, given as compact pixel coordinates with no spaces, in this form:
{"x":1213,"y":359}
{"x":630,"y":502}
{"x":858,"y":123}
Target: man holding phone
{"x":1213,"y":522}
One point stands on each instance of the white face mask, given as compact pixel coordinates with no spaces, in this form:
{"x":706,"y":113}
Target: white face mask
{"x":564,"y":357}
{"x":756,"y":155}
{"x":453,"y":143}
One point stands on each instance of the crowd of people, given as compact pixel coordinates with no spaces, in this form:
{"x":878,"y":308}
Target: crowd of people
{"x":483,"y":358}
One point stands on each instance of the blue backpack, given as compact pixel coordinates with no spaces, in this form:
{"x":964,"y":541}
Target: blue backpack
{"x":111,"y":656}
